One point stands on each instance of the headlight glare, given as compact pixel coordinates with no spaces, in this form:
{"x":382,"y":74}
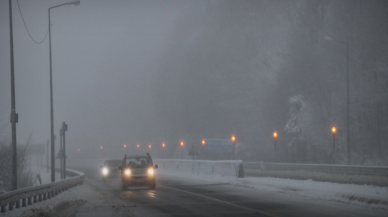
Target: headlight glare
{"x":127,"y":172}
{"x":105,"y":171}
{"x":151,"y":171}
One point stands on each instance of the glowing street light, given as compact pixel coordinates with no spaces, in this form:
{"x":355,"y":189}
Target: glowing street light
{"x":182,"y":149}
{"x":125,"y":145}
{"x":163,"y":145}
{"x":101,"y":147}
{"x":149,"y":146}
{"x":233,"y":143}
{"x":333,"y":131}
{"x":275,"y":135}
{"x":203,"y":142}
{"x":78,"y":150}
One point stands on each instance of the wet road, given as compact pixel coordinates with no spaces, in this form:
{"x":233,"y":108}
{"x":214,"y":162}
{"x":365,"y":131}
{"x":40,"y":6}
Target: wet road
{"x":176,"y":196}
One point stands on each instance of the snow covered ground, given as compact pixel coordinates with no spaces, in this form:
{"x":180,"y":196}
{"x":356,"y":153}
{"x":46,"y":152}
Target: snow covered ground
{"x":365,"y":195}
{"x":66,"y":203}
{"x":86,"y":198}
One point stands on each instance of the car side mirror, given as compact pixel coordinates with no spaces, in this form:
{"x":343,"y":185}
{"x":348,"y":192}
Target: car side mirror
{"x":156,"y":166}
{"x":120,"y":168}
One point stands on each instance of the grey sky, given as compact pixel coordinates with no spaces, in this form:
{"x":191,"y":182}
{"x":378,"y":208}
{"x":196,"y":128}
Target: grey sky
{"x":105,"y":56}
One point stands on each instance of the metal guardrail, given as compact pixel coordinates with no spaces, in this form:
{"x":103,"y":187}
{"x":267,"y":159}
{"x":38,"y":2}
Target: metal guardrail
{"x":35,"y":194}
{"x":320,"y":172}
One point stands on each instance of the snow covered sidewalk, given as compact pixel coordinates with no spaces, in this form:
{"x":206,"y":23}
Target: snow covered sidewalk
{"x":345,"y":193}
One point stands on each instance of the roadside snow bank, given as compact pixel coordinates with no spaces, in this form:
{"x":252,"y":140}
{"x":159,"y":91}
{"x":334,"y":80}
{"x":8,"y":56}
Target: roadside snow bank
{"x":345,"y":193}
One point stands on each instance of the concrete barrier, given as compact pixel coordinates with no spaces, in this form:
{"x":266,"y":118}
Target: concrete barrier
{"x":219,"y":167}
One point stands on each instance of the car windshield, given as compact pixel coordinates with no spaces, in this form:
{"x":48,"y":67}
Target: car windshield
{"x":138,"y":161}
{"x":113,"y":163}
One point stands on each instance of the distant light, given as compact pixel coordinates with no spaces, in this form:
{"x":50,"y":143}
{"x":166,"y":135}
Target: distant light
{"x":149,"y":146}
{"x":203,"y":142}
{"x":101,"y":147}
{"x":138,"y":145}
{"x":275,"y":134}
{"x":333,"y":129}
{"x":125,"y":145}
{"x":233,"y":139}
{"x":78,"y":150}
{"x":163,"y":145}
{"x":182,"y":143}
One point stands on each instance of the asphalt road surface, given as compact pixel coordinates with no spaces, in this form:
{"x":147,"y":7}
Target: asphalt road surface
{"x":176,"y":196}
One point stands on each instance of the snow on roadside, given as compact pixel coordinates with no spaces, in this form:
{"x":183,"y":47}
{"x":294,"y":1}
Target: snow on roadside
{"x":44,"y":175}
{"x":80,"y":197}
{"x":368,"y":195}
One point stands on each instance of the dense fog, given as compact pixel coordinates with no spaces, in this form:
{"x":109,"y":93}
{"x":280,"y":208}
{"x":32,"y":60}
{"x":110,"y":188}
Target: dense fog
{"x":153,"y":72}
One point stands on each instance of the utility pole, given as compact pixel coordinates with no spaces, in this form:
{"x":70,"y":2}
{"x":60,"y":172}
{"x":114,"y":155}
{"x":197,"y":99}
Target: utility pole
{"x":47,"y":154}
{"x":14,"y":115}
{"x":64,"y":129}
{"x":60,"y":151}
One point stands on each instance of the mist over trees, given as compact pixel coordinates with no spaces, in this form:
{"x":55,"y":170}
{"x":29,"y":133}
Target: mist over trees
{"x":250,"y":68}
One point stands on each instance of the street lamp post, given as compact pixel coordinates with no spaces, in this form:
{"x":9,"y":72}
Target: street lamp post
{"x":347,"y":94}
{"x":14,"y":115}
{"x":203,"y":148}
{"x":60,"y":150}
{"x":182,"y":149}
{"x":77,"y":2}
{"x":333,"y":130}
{"x":64,"y":129}
{"x":234,"y":146}
{"x":275,"y":135}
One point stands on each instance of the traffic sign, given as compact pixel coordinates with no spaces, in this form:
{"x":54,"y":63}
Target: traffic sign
{"x":218,"y":145}
{"x":61,"y":154}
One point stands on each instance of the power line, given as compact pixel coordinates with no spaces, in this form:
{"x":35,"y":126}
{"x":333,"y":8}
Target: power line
{"x":27,"y":28}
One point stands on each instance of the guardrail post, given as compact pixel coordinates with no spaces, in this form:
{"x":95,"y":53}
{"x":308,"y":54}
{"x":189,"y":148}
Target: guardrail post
{"x":40,"y":197}
{"x":3,"y":208}
{"x":49,"y":195}
{"x":18,"y":203}
{"x":29,"y":200}
{"x":24,"y":202}
{"x":45,"y":196}
{"x":10,"y":206}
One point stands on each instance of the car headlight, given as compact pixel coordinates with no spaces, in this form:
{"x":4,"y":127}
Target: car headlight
{"x":151,"y":171}
{"x":105,"y":171}
{"x":127,"y":172}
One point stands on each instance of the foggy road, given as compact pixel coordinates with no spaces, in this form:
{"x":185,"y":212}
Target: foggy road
{"x":182,"y":197}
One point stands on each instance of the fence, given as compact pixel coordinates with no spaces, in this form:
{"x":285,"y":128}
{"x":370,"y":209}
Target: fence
{"x":35,"y":194}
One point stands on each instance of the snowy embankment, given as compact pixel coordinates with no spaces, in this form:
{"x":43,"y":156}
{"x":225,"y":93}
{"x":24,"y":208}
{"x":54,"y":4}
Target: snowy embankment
{"x":346,"y":193}
{"x":67,"y":203}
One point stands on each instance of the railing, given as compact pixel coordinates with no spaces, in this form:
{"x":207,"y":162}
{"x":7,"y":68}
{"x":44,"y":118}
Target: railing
{"x":35,"y":194}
